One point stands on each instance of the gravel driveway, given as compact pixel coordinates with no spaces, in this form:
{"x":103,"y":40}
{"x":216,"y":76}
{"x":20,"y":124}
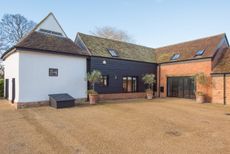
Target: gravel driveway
{"x":133,"y":126}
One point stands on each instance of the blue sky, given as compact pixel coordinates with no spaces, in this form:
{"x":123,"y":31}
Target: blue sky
{"x":151,"y":23}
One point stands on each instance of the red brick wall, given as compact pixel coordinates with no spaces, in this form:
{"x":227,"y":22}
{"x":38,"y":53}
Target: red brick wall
{"x":228,"y":89}
{"x":188,"y":68}
{"x":218,"y":89}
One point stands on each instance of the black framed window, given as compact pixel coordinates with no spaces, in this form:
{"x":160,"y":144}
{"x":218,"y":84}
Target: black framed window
{"x":53,"y":72}
{"x":105,"y":80}
{"x":130,"y":84}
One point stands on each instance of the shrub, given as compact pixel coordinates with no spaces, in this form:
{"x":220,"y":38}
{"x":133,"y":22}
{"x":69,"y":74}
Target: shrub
{"x":93,"y":92}
{"x":1,"y":87}
{"x":202,"y":79}
{"x":149,"y":79}
{"x":93,"y":77}
{"x":200,"y":93}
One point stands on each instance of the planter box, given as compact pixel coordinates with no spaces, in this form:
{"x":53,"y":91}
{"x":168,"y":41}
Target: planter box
{"x":61,"y":100}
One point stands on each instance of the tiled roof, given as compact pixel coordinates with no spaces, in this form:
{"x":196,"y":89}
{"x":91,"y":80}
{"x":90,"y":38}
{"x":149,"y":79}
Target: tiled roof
{"x":224,"y":64}
{"x":38,"y":41}
{"x":187,"y":50}
{"x":127,"y":51}
{"x":47,"y":42}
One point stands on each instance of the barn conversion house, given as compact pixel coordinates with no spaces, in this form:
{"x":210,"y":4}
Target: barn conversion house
{"x":47,"y":62}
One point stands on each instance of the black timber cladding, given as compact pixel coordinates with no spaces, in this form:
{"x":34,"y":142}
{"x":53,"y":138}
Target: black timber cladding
{"x":116,"y":69}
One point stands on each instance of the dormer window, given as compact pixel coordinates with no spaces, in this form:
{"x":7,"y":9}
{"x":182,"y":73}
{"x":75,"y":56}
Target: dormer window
{"x":199,"y":52}
{"x":113,"y":52}
{"x":175,"y":56}
{"x":50,"y":32}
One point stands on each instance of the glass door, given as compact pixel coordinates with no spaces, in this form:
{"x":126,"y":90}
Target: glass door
{"x":182,"y":87}
{"x":129,"y":84}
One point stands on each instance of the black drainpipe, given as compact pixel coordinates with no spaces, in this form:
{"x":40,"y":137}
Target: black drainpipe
{"x":224,"y":89}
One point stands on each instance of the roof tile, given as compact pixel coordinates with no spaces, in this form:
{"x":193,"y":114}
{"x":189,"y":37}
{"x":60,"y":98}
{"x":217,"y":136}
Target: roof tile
{"x":187,"y":50}
{"x":43,"y":41}
{"x":99,"y":47}
{"x":224,"y":63}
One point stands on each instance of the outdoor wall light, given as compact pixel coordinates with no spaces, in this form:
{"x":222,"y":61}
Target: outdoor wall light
{"x":104,"y":62}
{"x":115,"y":77}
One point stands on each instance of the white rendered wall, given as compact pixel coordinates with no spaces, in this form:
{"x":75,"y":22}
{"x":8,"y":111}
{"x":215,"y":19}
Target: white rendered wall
{"x":36,"y":84}
{"x":12,"y":71}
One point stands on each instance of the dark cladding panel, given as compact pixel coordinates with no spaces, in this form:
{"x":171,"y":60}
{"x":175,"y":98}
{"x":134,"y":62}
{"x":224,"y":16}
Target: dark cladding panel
{"x":116,"y":69}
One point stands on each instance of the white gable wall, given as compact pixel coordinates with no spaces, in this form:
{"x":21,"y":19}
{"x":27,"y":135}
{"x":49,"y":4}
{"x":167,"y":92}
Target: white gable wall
{"x":51,"y":24}
{"x":36,"y":84}
{"x":12,"y":71}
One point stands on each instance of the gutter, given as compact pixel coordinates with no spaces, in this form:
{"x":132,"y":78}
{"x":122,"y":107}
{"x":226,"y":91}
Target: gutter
{"x":7,"y":53}
{"x":185,"y":60}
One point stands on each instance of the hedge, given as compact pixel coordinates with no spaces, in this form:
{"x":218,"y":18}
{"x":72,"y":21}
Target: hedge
{"x":1,"y":87}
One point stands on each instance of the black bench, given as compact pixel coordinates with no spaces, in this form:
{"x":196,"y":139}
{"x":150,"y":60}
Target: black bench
{"x":61,"y":100}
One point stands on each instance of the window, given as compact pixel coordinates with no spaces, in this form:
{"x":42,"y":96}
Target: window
{"x":53,"y":72}
{"x":113,"y":52}
{"x":175,"y":56}
{"x":200,"y":52}
{"x":104,"y":80}
{"x":161,"y":89}
{"x":129,"y":84}
{"x":50,"y":32}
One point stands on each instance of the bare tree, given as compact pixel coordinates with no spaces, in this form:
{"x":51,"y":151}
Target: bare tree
{"x":12,"y":28}
{"x":112,"y":33}
{"x":2,"y":43}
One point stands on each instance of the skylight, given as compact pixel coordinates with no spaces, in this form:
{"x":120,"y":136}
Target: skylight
{"x":200,"y":52}
{"x":113,"y":52}
{"x":175,"y":56}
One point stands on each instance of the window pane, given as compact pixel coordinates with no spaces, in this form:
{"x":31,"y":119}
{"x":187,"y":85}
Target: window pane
{"x":175,"y":56}
{"x":124,"y":84}
{"x":130,"y":84}
{"x":199,"y":52}
{"x":113,"y":52}
{"x":134,"y":84}
{"x":104,"y":80}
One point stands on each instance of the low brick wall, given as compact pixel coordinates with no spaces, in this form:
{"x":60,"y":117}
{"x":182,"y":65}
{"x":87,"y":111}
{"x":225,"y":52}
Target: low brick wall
{"x":121,"y":96}
{"x":21,"y":105}
{"x":218,"y":89}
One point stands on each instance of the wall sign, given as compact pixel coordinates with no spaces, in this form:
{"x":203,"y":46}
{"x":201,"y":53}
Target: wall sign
{"x":53,"y":72}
